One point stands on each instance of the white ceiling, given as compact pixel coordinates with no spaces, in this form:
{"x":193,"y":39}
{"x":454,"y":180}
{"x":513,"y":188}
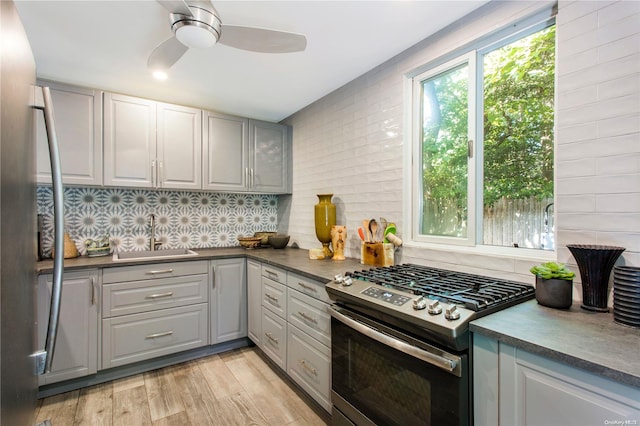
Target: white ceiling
{"x":105,"y":44}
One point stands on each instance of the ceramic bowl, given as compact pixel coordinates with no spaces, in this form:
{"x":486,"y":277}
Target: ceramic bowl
{"x":249,"y":242}
{"x":264,"y":235}
{"x":279,"y":241}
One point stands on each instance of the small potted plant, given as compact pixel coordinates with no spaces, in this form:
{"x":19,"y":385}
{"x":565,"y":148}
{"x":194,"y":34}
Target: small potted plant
{"x":554,"y":285}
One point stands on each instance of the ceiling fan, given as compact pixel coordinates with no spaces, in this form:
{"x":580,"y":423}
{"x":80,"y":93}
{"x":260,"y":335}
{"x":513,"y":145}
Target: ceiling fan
{"x":197,"y":24}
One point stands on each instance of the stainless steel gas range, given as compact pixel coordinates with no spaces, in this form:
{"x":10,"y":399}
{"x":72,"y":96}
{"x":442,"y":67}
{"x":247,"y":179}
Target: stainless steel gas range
{"x":401,"y":343}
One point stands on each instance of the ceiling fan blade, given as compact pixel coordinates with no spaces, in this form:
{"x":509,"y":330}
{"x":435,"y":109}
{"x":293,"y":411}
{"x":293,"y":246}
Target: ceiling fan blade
{"x":166,"y":54}
{"x":176,"y":6}
{"x":262,"y":40}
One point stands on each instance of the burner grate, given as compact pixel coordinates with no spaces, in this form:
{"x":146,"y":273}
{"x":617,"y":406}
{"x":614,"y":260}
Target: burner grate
{"x":475,"y":292}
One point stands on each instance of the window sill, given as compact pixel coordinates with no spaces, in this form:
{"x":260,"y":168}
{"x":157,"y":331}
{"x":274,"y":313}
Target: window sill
{"x":526,"y":254}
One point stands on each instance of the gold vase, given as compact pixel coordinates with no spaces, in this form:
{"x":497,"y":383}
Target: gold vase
{"x":325,"y":217}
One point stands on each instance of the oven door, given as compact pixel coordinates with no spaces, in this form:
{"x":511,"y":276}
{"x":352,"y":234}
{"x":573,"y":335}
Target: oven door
{"x":385,"y":377}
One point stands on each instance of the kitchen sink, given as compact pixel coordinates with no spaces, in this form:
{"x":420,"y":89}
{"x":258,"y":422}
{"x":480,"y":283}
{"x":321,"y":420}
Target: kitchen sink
{"x":152,"y":255}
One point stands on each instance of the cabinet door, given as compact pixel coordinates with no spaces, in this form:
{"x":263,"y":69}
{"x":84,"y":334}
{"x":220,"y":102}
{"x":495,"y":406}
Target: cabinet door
{"x":226,"y":152}
{"x":78,"y":122}
{"x":254,"y":300}
{"x":129,"y":141}
{"x":270,"y":148}
{"x":229,"y":300}
{"x":76,"y":350}
{"x":179,"y":144}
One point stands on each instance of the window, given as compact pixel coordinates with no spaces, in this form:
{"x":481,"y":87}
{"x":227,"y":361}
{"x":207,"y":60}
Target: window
{"x":482,"y":156}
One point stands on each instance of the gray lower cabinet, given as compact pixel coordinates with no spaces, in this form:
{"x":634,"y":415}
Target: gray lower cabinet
{"x":254,"y":301}
{"x":294,"y":329}
{"x":152,"y":310}
{"x":76,"y":351}
{"x":228,"y":300}
{"x":513,"y":386}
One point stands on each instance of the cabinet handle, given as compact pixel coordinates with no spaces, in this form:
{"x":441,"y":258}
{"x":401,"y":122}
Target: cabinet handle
{"x":160,"y":271}
{"x":273,"y":339}
{"x":155,"y":335}
{"x":213,"y":279}
{"x":270,"y":297}
{"x":160,"y":182}
{"x":153,"y":173}
{"x":93,"y":291}
{"x":272,"y":273}
{"x":158,"y":295}
{"x":311,"y":370}
{"x":246,"y":176}
{"x":307,"y":287}
{"x":307,"y":317}
{"x":252,"y":177}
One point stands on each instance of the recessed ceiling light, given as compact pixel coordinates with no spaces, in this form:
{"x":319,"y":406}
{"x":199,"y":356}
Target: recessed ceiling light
{"x":160,"y":75}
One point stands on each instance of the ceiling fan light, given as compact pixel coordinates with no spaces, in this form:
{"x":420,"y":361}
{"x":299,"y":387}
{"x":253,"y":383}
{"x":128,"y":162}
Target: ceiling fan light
{"x":196,"y":36}
{"x":160,"y":75}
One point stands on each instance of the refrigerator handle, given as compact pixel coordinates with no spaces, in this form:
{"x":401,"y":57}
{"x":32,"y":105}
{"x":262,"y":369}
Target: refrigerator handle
{"x":44,"y":358}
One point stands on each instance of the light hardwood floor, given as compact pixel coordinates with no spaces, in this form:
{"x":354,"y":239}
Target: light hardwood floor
{"x":233,"y":388}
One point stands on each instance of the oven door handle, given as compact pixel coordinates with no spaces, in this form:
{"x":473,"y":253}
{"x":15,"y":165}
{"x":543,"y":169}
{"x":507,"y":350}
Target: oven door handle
{"x":451,"y":365}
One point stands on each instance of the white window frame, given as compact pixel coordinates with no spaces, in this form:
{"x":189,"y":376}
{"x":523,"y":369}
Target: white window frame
{"x":412,"y":198}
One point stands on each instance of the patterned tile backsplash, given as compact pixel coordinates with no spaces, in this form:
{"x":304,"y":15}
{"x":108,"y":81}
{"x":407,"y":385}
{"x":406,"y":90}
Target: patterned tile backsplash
{"x":183,"y":219}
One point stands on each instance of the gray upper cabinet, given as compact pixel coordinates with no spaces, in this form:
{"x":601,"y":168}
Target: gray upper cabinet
{"x":226,"y":152}
{"x":150,"y":144}
{"x":129,"y":141}
{"x":78,"y":121}
{"x":270,"y":149}
{"x":244,"y":155}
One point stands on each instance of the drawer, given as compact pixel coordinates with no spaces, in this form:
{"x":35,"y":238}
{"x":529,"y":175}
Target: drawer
{"x":307,"y":286}
{"x":144,"y":296}
{"x":153,"y":270}
{"x":309,"y":365}
{"x":310,"y":315}
{"x":274,"y":297}
{"x":132,"y":338}
{"x":274,"y":338}
{"x":276,"y":274}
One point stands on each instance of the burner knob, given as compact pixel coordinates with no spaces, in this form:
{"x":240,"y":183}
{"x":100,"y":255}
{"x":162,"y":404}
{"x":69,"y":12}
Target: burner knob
{"x":452,"y":313}
{"x":435,"y":308}
{"x":419,"y":303}
{"x":347,"y":281}
{"x":339,"y":279}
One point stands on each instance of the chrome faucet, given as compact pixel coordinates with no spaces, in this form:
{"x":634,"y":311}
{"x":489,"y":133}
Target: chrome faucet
{"x":152,"y":242}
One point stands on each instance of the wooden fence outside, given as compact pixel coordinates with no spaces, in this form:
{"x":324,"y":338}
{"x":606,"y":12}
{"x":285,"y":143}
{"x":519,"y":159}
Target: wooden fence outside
{"x":506,"y":223}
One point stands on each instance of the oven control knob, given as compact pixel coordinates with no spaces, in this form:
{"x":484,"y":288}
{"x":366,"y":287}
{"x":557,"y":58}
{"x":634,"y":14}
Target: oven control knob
{"x":347,"y":281}
{"x":452,"y":313}
{"x":419,"y":303}
{"x":339,"y":279}
{"x":435,"y":308}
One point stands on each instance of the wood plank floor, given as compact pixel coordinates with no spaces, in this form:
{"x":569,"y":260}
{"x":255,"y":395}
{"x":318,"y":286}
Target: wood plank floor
{"x":233,"y":388}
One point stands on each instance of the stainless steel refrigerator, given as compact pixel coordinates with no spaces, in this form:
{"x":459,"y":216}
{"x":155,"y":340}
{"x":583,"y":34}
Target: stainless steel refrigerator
{"x":20,"y":360}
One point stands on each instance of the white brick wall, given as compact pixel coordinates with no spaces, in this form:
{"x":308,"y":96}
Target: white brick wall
{"x":350,"y":143}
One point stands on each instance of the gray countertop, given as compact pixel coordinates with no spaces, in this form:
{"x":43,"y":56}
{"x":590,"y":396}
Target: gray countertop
{"x":580,"y":338}
{"x":291,"y":259}
{"x":592,"y":341}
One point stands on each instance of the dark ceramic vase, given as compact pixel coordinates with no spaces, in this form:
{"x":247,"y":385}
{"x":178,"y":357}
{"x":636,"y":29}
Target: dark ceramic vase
{"x":554,"y":293}
{"x":595,"y":264}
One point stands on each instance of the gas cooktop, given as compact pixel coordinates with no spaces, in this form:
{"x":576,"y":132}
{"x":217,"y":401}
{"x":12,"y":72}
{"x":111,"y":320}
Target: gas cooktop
{"x":432,"y":302}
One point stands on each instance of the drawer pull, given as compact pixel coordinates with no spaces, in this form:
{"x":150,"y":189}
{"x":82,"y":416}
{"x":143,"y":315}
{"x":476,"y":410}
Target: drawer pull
{"x":273,"y":339}
{"x":164,"y":333}
{"x":272,"y":273}
{"x":160,"y":271}
{"x":311,"y":370}
{"x":158,"y":295}
{"x":307,"y":317}
{"x":270,"y":297}
{"x":307,"y":287}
